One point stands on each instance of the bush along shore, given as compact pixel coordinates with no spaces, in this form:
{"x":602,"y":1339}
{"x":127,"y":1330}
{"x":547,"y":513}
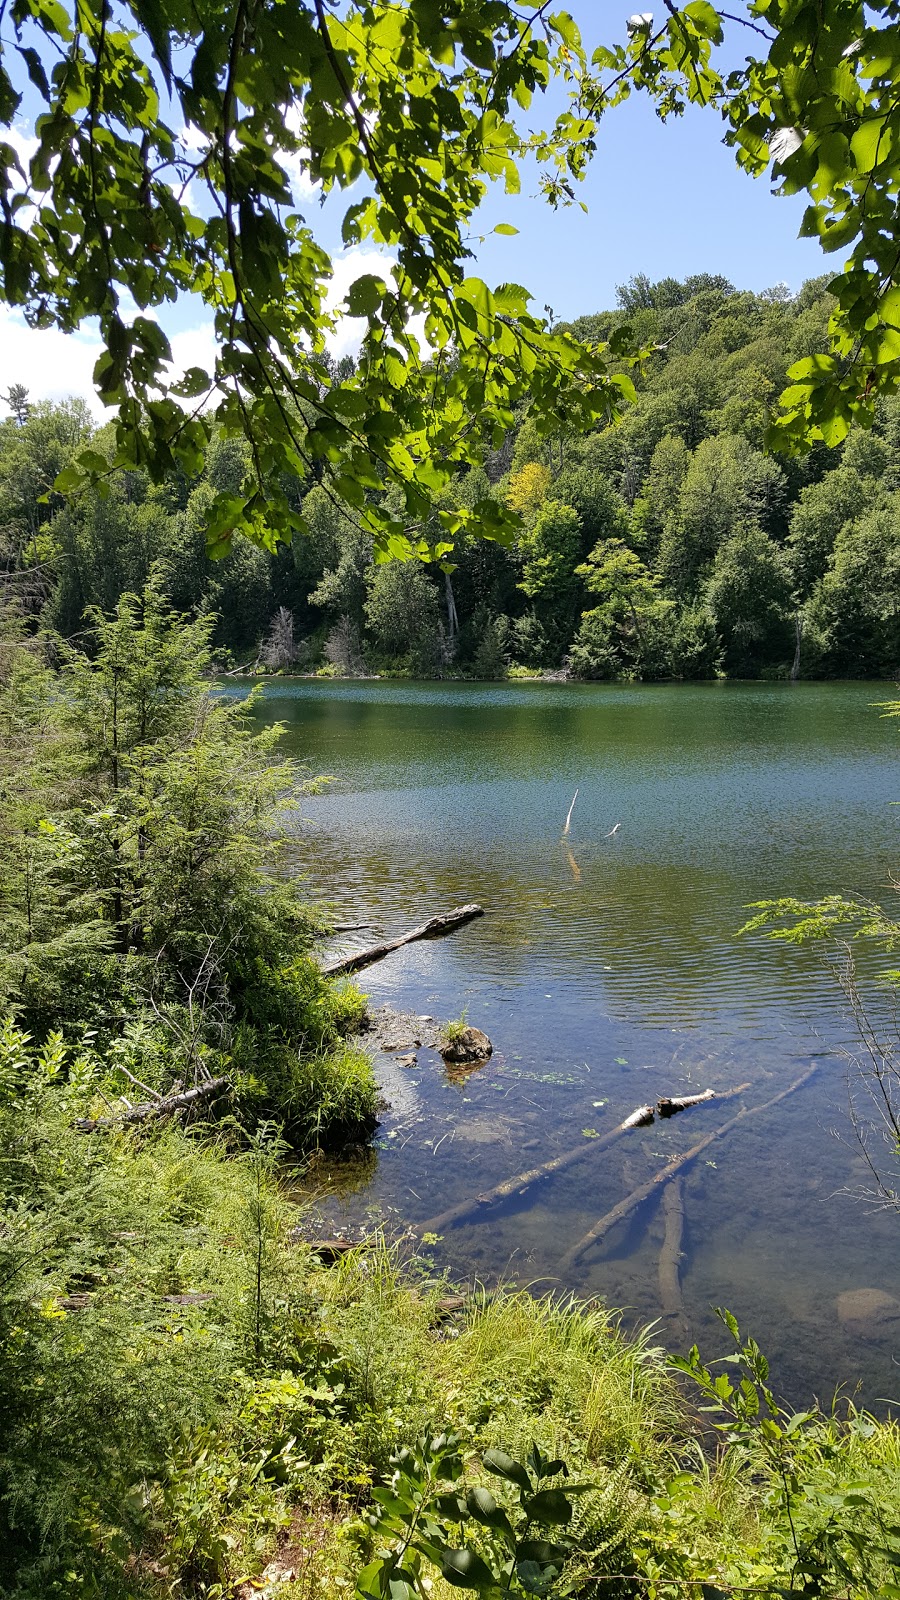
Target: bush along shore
{"x":193,"y":1403}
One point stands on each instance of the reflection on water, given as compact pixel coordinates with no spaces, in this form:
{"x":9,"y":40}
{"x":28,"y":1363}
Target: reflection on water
{"x":607,"y":972}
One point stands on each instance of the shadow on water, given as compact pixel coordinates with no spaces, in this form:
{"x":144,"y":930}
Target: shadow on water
{"x":607,"y":972}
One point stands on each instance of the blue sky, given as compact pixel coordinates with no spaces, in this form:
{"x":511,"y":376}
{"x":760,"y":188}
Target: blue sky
{"x":665,"y":199}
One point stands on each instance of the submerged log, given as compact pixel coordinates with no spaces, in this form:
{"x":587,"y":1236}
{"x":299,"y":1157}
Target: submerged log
{"x":598,"y":1232}
{"x":166,"y":1106}
{"x":670,"y":1294}
{"x":330,"y":1251}
{"x":478,"y":1206}
{"x":434,"y":928}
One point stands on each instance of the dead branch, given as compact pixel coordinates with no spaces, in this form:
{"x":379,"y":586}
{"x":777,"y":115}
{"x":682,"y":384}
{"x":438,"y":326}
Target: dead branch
{"x":434,"y":928}
{"x":157,"y":1108}
{"x":625,"y":1207}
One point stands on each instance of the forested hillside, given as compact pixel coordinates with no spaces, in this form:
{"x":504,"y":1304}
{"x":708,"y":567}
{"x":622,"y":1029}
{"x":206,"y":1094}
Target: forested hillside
{"x":668,"y":546}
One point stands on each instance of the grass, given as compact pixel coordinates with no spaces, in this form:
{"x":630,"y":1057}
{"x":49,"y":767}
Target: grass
{"x":189,"y":1400}
{"x":453,"y":1031}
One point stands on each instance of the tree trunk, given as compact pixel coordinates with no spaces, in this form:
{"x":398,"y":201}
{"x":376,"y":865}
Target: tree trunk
{"x":798,"y":629}
{"x":670,"y":1257}
{"x":163,"y":1107}
{"x":452,"y":613}
{"x":478,"y":1206}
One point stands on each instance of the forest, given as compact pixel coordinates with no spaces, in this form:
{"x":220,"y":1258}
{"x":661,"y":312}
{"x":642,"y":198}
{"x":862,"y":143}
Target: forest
{"x":669,"y":545}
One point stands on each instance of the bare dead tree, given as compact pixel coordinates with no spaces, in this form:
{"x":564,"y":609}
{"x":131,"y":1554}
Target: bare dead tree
{"x":204,"y":1014}
{"x":344,"y":650}
{"x":279,"y":648}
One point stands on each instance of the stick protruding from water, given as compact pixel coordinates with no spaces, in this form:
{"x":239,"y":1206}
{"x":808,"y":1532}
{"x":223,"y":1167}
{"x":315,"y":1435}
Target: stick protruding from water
{"x":569,"y":817}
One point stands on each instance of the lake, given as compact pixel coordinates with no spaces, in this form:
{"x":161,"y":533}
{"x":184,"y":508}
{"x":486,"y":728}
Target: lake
{"x":607,"y":971}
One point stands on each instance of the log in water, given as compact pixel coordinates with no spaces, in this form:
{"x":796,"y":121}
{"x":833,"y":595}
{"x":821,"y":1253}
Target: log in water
{"x":434,"y":928}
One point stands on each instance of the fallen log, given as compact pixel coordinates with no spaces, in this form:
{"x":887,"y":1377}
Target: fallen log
{"x":669,"y":1106}
{"x":670,"y":1295}
{"x":163,"y":1107}
{"x":434,"y":928}
{"x":625,"y":1207}
{"x":523,"y":1181}
{"x":640,"y":1118}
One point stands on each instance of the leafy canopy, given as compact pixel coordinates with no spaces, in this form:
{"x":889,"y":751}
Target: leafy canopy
{"x":408,"y":106}
{"x":149,"y":103}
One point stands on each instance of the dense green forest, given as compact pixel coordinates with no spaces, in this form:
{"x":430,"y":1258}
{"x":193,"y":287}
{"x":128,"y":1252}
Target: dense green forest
{"x":667,"y":546}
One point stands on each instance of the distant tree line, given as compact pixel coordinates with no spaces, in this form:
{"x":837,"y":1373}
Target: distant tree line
{"x":667,"y":546}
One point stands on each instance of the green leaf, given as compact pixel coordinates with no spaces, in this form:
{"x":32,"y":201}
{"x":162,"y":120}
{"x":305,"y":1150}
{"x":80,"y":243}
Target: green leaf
{"x":465,"y":1569}
{"x":503,"y":1466}
{"x":152,"y":18}
{"x":484,"y":1508}
{"x":706,"y":19}
{"x":550,"y":1506}
{"x":365,"y":296}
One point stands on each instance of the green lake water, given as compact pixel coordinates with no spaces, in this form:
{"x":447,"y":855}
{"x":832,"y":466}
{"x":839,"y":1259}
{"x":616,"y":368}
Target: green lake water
{"x":607,"y":972}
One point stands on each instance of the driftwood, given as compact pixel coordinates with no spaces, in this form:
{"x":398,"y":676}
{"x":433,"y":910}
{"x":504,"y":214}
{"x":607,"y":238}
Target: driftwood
{"x":625,"y":1207}
{"x":482,"y":1203}
{"x":670,"y":1107}
{"x":330,"y":1251}
{"x":163,"y":1107}
{"x":434,"y":928}
{"x":80,"y":1302}
{"x":670,"y":1256}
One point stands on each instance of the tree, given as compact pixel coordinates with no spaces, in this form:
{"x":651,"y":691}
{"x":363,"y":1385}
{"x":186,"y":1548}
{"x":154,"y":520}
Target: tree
{"x":727,"y":485}
{"x":625,"y":635}
{"x":749,"y":596}
{"x":820,"y":514}
{"x":16,"y":398}
{"x":402,"y":613}
{"x":854,"y":612}
{"x":279,"y":647}
{"x":142,"y":880}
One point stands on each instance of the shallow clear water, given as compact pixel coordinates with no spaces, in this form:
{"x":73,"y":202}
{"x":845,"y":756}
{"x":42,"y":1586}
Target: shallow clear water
{"x":607,"y":972}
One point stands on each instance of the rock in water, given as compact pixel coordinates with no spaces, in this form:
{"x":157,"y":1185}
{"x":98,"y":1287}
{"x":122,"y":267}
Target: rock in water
{"x":869,"y":1314}
{"x":469,"y":1045}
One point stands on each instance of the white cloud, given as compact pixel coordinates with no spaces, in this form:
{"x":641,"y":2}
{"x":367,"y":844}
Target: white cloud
{"x":52,"y":365}
{"x":348,"y":266}
{"x":194,"y":347}
{"x":24,"y":144}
